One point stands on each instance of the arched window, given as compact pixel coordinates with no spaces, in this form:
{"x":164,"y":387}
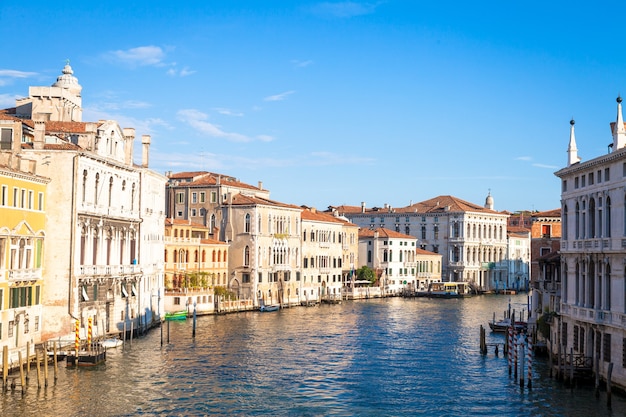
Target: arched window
{"x":247,"y":223}
{"x":214,"y":256}
{"x":577,"y":221}
{"x":565,"y":222}
{"x":592,"y":218}
{"x":607,"y":214}
{"x":246,"y":256}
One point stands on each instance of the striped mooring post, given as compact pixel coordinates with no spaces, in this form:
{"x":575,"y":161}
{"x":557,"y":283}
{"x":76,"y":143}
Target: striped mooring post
{"x":77,"y":337}
{"x":89,"y":330}
{"x":509,"y":341}
{"x":529,"y":356}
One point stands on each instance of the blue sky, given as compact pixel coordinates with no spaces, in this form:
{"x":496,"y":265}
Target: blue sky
{"x":340,"y":102}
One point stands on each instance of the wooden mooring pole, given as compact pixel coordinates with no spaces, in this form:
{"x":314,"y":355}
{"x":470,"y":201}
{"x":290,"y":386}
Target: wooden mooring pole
{"x":5,"y":367}
{"x":22,"y":378}
{"x":38,"y":359}
{"x":609,"y":372}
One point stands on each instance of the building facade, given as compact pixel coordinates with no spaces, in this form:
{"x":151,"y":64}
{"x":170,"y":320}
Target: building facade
{"x":105,"y":215}
{"x":393,"y":258}
{"x":471,"y":239}
{"x":593,"y":300}
{"x":22,"y":246}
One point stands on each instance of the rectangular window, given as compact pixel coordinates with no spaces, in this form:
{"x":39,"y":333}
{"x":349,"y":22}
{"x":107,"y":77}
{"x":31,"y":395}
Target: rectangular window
{"x":30,"y":200}
{"x":23,"y":198}
{"x":15,"y":194}
{"x":177,"y":301}
{"x":564,"y":185}
{"x":607,"y":177}
{"x":6,"y":139}
{"x":260,"y":276}
{"x":591,"y":178}
{"x":180,"y":198}
{"x":202,"y":196}
{"x":194,"y":198}
{"x":599,"y":177}
{"x":4,"y":196}
{"x":36,"y":323}
{"x":194,"y":212}
{"x":582,"y":180}
{"x":245,"y":278}
{"x":576,"y":182}
{"x":213,"y":197}
{"x":40,"y":202}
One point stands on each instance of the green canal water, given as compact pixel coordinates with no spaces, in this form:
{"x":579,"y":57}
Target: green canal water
{"x":389,"y":357}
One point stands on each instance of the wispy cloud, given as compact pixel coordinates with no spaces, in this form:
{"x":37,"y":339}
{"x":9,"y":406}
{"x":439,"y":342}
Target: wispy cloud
{"x":141,"y":56}
{"x":545,"y":166}
{"x":301,"y":64}
{"x":8,"y":75}
{"x":7,"y":100}
{"x":228,"y":112}
{"x":523,"y":158}
{"x":343,"y":9}
{"x":184,"y":72}
{"x":199,"y":121}
{"x":279,"y":97}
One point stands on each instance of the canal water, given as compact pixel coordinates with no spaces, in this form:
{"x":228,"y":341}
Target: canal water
{"x":382,"y":357}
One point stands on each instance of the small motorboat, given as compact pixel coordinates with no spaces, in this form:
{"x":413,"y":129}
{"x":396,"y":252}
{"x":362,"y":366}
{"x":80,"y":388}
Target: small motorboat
{"x":502,"y":326}
{"x":176,"y":315}
{"x":271,"y":307}
{"x":112,"y":342}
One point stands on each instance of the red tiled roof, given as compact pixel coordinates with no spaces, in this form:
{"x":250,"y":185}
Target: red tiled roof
{"x":308,"y":214}
{"x":548,"y":213}
{"x":382,"y":232}
{"x":419,"y":251}
{"x":66,"y":127}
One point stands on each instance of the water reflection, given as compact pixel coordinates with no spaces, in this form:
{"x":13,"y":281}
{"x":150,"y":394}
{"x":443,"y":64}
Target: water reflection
{"x":366,"y":358}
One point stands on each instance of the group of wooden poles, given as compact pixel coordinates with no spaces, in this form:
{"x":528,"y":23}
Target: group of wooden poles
{"x":517,"y":347}
{"x":40,"y":358}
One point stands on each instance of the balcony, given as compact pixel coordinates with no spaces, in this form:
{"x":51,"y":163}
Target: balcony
{"x":109,"y":270}
{"x":182,"y":240}
{"x":591,"y":315}
{"x":21,"y":275}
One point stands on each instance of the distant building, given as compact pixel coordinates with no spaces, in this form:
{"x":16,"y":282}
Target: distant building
{"x":472,"y":239}
{"x":392,"y":256}
{"x":194,"y":266}
{"x":518,"y":257}
{"x":593,"y":211}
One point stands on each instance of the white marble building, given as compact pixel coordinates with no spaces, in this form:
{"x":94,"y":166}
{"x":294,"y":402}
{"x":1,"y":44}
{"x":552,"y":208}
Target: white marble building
{"x":593,"y":300}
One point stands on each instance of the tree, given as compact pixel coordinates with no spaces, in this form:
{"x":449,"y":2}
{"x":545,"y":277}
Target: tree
{"x":365,"y":273}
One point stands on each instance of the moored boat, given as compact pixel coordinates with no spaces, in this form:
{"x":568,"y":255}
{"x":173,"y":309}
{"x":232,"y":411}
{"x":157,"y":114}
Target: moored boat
{"x":440,"y":289}
{"x":271,"y":307}
{"x":501,"y":326}
{"x":176,"y":315}
{"x":110,"y":343}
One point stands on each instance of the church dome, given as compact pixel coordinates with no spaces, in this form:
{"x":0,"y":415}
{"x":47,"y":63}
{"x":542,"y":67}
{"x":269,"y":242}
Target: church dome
{"x":67,"y":80}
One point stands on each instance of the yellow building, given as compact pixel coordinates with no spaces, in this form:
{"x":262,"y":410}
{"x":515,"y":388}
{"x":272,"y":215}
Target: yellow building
{"x":22,"y":236}
{"x":194,"y":266}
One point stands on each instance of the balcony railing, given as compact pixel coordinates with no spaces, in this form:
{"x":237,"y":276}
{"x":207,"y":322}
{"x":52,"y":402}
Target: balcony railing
{"x":103,"y":270}
{"x":19,"y":275}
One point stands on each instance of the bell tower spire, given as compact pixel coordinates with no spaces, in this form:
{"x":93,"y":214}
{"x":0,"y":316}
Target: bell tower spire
{"x":572,"y":150}
{"x":619,"y":132}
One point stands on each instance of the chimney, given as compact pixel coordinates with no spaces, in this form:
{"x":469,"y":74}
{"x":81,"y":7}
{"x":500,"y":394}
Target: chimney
{"x":145,"y":150}
{"x":40,"y":135}
{"x":260,"y":185}
{"x":129,"y":138}
{"x":362,"y":206}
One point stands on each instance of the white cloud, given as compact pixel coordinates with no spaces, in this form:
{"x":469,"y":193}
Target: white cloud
{"x":173,"y":72}
{"x":228,"y":112}
{"x":16,"y":74}
{"x":198,"y":121}
{"x":141,"y":56}
{"x":546,"y":166}
{"x":523,"y":158}
{"x":279,"y":97}
{"x":343,"y":9}
{"x":301,"y":64}
{"x":265,"y":138}
{"x":7,"y":100}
